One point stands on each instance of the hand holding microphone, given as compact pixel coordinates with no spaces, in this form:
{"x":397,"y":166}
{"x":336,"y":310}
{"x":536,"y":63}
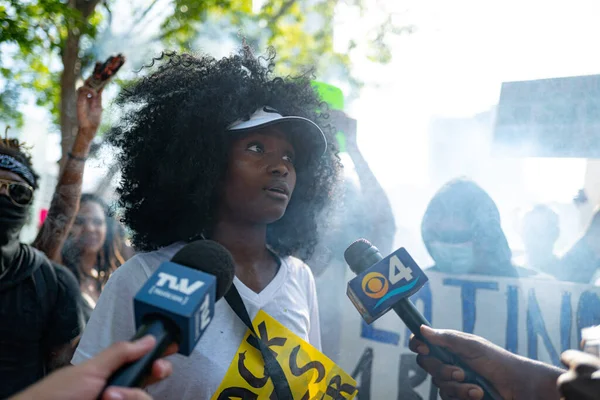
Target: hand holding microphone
{"x":384,"y":284}
{"x":516,"y":377}
{"x":86,"y":381}
{"x":582,"y":380}
{"x":176,"y":304}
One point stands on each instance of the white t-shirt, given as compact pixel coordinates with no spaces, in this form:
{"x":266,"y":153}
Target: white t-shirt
{"x":290,"y":298}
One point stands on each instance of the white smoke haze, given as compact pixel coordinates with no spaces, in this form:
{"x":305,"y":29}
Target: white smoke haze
{"x":448,"y":72}
{"x":444,"y":79}
{"x":423,"y":119}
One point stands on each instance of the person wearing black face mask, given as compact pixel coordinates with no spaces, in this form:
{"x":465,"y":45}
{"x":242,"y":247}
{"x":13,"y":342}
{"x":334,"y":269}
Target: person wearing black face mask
{"x":39,"y":317}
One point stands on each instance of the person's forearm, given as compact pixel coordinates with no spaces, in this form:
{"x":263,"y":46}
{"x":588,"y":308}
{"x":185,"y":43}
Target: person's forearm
{"x":543,"y":378}
{"x":65,"y":202}
{"x":579,"y":263}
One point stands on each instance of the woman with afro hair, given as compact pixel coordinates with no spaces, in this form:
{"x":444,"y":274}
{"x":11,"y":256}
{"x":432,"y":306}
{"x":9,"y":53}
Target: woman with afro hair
{"x":222,"y":150}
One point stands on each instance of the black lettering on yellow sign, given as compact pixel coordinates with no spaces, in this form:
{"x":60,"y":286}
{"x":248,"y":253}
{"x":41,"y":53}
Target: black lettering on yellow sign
{"x":335,"y":388}
{"x":248,"y":376}
{"x":310,"y":374}
{"x":264,"y":337}
{"x":298,"y":371}
{"x":237,"y":393}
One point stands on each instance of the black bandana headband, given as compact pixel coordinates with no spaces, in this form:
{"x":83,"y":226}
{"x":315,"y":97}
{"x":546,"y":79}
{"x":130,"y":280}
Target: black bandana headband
{"x":11,"y":164}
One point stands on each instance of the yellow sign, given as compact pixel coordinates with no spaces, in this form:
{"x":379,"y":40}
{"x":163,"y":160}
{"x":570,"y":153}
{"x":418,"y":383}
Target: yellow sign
{"x":310,"y":374}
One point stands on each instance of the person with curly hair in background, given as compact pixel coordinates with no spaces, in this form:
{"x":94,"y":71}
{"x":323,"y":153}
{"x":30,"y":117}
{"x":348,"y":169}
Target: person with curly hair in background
{"x":93,"y":250}
{"x":222,"y":150}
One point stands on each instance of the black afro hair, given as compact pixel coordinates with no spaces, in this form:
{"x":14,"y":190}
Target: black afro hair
{"x":174,"y":147}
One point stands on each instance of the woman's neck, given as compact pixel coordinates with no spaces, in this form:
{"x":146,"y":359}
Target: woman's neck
{"x":254,"y":265}
{"x":246,"y":243}
{"x":87,"y":262}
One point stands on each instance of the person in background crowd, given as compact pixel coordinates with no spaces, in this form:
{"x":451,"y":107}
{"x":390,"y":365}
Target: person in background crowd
{"x":364,"y":209}
{"x":462,"y":232}
{"x":514,"y":377}
{"x":540,"y":231}
{"x":39,"y":316}
{"x":221,"y":150}
{"x":363,"y":212}
{"x":65,"y":202}
{"x":581,"y":263}
{"x":93,"y":249}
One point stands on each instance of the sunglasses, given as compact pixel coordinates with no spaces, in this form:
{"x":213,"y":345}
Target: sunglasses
{"x":21,"y":194}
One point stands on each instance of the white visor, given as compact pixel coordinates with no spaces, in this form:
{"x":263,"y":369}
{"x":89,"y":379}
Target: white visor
{"x":308,"y":138}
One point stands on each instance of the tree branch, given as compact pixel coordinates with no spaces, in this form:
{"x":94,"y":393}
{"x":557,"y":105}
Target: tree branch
{"x":165,"y":34}
{"x":109,"y":12}
{"x":137,"y":24}
{"x":143,"y":15}
{"x":284,"y":8}
{"x":86,"y":7}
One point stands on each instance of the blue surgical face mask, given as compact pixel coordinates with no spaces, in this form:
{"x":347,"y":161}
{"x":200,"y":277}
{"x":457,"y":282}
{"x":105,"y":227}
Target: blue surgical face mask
{"x":453,"y":258}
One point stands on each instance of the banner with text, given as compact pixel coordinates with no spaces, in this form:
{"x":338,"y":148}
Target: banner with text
{"x":538,"y":319}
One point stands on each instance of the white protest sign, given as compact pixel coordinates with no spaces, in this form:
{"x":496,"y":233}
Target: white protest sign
{"x":535,"y":318}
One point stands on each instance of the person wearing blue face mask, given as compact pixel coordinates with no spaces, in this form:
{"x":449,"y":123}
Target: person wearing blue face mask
{"x":453,"y":258}
{"x":462,"y":232}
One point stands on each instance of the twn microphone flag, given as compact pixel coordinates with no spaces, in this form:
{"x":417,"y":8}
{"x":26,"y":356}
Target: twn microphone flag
{"x":374,"y":291}
{"x":184,"y":296}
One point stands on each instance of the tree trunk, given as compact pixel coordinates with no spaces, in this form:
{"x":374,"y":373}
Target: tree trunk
{"x":68,"y":94}
{"x":71,"y":71}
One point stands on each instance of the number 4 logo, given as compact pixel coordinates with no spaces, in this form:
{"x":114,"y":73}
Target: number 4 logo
{"x":398,"y":271}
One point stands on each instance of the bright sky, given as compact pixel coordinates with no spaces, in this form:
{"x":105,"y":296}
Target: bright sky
{"x":455,"y":62}
{"x":453,"y":65}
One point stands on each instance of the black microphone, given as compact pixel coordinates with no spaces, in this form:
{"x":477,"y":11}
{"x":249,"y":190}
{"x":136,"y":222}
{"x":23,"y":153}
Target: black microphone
{"x":366,"y":261}
{"x":176,"y":304}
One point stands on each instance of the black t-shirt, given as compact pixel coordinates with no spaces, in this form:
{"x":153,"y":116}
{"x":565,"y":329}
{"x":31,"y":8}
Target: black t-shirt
{"x":29,"y":329}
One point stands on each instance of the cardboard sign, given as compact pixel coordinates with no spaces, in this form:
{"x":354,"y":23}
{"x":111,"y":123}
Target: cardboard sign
{"x":310,"y":374}
{"x":538,"y":319}
{"x":557,"y":117}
